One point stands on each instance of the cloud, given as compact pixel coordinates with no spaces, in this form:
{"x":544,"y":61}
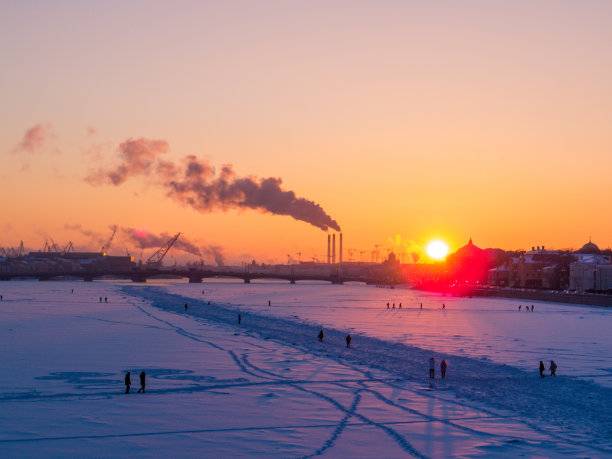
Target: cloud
{"x":137,"y":157}
{"x":35,"y":138}
{"x":195,"y":183}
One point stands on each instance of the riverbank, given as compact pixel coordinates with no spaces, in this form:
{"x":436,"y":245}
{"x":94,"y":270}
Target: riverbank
{"x":547,"y":295}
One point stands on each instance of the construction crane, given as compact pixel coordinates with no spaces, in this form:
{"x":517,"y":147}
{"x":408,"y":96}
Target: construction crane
{"x":10,"y":252}
{"x":68,"y":248}
{"x":50,"y":247}
{"x":106,"y":246}
{"x":155,"y":260}
{"x":377,"y":251}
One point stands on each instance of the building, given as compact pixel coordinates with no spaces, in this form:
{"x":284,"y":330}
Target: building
{"x":591,"y":270}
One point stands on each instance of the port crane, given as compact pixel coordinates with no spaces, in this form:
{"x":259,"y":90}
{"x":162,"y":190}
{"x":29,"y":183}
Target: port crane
{"x":106,"y":246}
{"x":155,"y":260}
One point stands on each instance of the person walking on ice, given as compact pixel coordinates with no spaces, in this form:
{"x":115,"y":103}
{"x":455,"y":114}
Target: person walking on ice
{"x":320,"y":336}
{"x":239,"y":318}
{"x":432,"y":368}
{"x":348,"y":341}
{"x":553,"y":368}
{"x":542,"y":368}
{"x":128,"y":382}
{"x":443,"y":369}
{"x":185,"y":306}
{"x":143,"y":376}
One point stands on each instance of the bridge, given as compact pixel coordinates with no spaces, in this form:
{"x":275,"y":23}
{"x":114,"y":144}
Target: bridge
{"x":197,"y":275}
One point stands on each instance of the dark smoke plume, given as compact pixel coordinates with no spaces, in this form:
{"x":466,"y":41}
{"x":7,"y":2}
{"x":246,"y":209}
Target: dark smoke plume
{"x":137,"y":157}
{"x":195,"y":183}
{"x":147,"y":240}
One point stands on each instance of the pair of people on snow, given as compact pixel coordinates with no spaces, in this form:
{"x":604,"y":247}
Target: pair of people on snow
{"x":348,"y":338}
{"x":432,"y":366}
{"x":553,"y":369}
{"x":128,"y":382}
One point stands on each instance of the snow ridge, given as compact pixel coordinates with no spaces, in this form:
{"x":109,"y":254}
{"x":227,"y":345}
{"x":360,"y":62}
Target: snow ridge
{"x":573,"y":410}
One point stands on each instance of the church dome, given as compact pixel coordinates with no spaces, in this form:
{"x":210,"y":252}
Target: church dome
{"x":589,"y":248}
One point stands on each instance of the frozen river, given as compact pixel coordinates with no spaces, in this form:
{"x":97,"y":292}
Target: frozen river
{"x":268,"y":388}
{"x":576,"y":337}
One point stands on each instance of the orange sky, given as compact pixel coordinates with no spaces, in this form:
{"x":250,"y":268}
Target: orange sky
{"x":452,"y":120}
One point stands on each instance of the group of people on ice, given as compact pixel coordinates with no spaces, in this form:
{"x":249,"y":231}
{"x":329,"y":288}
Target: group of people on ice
{"x":526,"y":307}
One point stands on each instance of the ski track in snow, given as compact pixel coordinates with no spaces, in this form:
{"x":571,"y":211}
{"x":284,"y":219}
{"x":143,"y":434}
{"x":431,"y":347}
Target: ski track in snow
{"x":553,"y":411}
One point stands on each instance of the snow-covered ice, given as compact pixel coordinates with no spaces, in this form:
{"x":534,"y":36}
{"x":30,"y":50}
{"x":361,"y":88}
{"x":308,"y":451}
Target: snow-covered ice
{"x":269,"y":388}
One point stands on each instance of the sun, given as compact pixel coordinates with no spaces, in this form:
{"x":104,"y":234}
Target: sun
{"x":437,"y":249}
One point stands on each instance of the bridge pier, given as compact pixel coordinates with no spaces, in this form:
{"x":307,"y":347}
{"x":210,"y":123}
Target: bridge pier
{"x":292,"y":281}
{"x":139,"y":278}
{"x":247,"y":280}
{"x":195,"y":279}
{"x":88,"y":279}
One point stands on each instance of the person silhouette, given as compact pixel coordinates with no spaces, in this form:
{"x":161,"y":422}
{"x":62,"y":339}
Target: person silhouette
{"x":432,"y":368}
{"x":185,"y":306}
{"x":128,"y":382}
{"x":239,"y":318}
{"x":443,"y":369}
{"x":542,"y":368}
{"x":348,"y":341}
{"x":143,"y":376}
{"x":320,"y":336}
{"x":553,"y":368}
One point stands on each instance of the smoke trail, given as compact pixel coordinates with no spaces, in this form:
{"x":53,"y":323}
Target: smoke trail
{"x":194,"y":183}
{"x":137,"y":157}
{"x":216,"y":253}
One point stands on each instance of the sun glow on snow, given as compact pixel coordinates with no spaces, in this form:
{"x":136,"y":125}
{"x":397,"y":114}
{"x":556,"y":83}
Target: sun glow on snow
{"x":437,"y":250}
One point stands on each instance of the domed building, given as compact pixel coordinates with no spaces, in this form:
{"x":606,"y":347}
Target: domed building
{"x":589,"y":249}
{"x":591,"y":269}
{"x":469,"y":264}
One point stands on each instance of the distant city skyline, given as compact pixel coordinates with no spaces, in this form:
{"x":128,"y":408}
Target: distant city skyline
{"x":404,"y":122}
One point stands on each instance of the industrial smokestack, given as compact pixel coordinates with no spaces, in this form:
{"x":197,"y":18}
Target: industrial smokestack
{"x":340,"y":250}
{"x":328,"y":248}
{"x":333,"y":249}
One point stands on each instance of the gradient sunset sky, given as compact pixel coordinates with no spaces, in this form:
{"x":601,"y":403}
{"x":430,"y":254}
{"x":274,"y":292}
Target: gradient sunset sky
{"x":403,"y":120}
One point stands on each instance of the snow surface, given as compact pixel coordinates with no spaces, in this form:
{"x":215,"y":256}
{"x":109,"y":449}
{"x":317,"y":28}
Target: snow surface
{"x":268,"y":388}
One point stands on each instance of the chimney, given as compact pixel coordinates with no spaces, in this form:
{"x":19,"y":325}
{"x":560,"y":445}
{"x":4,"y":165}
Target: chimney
{"x":340,"y":250}
{"x":328,"y":248}
{"x":333,"y":249}
{"x":532,"y":247}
